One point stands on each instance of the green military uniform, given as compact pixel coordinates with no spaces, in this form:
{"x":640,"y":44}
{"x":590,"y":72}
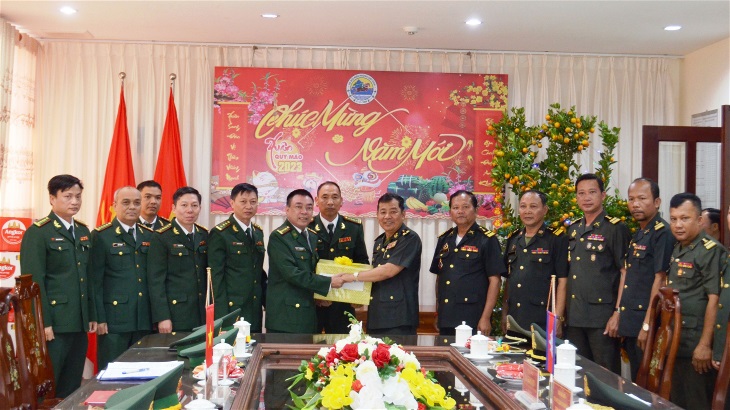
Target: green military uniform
{"x":159,"y":223}
{"x":694,"y":271}
{"x":649,"y":253}
{"x":58,"y":261}
{"x":347,"y":239}
{"x":176,"y":276}
{"x":530,"y":264}
{"x":119,"y":276}
{"x":393,"y":305}
{"x":596,"y":253}
{"x":292,"y":281}
{"x":463,"y":275}
{"x":236,"y":261}
{"x":723,"y":312}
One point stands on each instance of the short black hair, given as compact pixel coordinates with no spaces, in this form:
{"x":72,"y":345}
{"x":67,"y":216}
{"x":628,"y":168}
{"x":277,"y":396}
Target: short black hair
{"x":184,"y":191}
{"x":714,"y":215}
{"x":680,"y":199}
{"x":329,"y":183}
{"x":62,"y":183}
{"x":653,"y":185}
{"x":589,"y":177}
{"x":296,"y":192}
{"x":387,"y":197}
{"x":149,"y":184}
{"x":540,"y":194}
{"x":464,"y":192}
{"x":243,"y":187}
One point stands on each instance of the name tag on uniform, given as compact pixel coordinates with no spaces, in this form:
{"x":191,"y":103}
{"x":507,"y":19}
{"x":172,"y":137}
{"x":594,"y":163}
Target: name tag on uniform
{"x":299,"y":249}
{"x":595,"y":238}
{"x":117,"y":245}
{"x":237,"y":243}
{"x":346,"y":239}
{"x":178,"y":245}
{"x":57,"y":239}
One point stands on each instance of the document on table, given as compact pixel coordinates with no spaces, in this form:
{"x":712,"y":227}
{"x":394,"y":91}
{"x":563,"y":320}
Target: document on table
{"x":136,"y":370}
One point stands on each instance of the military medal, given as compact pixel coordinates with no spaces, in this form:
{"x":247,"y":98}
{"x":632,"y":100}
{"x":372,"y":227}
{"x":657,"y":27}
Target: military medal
{"x":441,"y":263}
{"x":593,"y":258}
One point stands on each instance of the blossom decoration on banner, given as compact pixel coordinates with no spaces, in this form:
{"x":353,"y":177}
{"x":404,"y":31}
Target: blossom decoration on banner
{"x":363,"y":372}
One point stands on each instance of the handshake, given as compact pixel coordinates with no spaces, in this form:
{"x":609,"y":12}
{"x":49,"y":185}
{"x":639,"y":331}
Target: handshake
{"x":340,"y":279}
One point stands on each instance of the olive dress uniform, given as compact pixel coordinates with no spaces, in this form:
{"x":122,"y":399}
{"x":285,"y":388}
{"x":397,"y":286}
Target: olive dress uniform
{"x":292,"y":281}
{"x":694,"y":271}
{"x":723,"y":312}
{"x":236,"y":260}
{"x":119,"y":276}
{"x":596,"y":253}
{"x":463,"y":271}
{"x":347,"y":239}
{"x":58,"y":261}
{"x":176,"y":276}
{"x":393,"y":305}
{"x":159,"y":223}
{"x":649,"y":253}
{"x":530,"y":265}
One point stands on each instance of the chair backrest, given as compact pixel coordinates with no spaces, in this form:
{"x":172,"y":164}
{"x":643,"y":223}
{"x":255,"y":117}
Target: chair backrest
{"x":657,"y":366}
{"x":17,"y":388}
{"x":723,"y":376}
{"x":34,"y":336}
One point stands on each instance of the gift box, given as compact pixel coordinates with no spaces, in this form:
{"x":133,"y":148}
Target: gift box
{"x":353,"y":292}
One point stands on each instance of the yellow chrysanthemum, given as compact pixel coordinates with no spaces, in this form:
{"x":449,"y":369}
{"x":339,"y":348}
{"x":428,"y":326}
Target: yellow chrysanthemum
{"x":343,"y":260}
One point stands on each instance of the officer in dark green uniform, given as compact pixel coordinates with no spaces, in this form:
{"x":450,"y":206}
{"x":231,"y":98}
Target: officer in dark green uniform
{"x":55,"y":250}
{"x":647,"y":264}
{"x":292,"y":262}
{"x":723,"y":312}
{"x":596,"y":252}
{"x":151,"y":200}
{"x":694,"y":271}
{"x":177,"y":261}
{"x":468,"y":262}
{"x":119,"y":276}
{"x":393,"y":308}
{"x":337,"y":235}
{"x":236,"y":258}
{"x":534,"y":254}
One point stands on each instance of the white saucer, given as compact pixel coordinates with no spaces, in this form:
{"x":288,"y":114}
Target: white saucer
{"x":458,"y":346}
{"x":225,"y":382}
{"x":199,"y":375}
{"x":243,"y":356}
{"x":474,"y":357}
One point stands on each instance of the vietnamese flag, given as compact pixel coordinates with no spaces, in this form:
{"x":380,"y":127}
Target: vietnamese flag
{"x":170,"y":172}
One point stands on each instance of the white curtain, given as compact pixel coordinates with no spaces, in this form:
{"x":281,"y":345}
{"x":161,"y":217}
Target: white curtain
{"x":79,"y":88}
{"x":18,"y":54}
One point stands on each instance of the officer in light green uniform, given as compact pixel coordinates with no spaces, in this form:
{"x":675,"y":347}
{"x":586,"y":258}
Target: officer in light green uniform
{"x":119,"y":276}
{"x":292,"y":262}
{"x":236,"y":258}
{"x":55,"y":250}
{"x":337,"y":235}
{"x":694,"y":271}
{"x":151,"y":199}
{"x":176,"y":268}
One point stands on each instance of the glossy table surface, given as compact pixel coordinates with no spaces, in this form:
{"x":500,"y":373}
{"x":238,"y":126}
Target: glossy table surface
{"x":273,"y":384}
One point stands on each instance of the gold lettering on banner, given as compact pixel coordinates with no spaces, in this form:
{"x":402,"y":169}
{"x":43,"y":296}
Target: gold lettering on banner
{"x":233,"y":146}
{"x":230,"y":177}
{"x":231,"y":157}
{"x":293,"y":116}
{"x":374,"y":150}
{"x":231,"y":126}
{"x":232,"y":167}
{"x":233,"y":136}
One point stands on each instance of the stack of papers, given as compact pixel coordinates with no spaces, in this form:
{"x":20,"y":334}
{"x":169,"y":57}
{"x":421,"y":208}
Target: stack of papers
{"x":136,"y":370}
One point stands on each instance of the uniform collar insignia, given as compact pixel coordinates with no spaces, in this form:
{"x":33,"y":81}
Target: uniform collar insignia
{"x":316,"y":228}
{"x":446,"y":247}
{"x":342,"y":225}
{"x":175,"y":231}
{"x":118,"y":230}
{"x":235,"y":228}
{"x":540,"y":232}
{"x":56,"y":224}
{"x":471,"y":232}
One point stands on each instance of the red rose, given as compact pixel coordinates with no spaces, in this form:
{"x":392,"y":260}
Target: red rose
{"x":381,"y":355}
{"x":331,"y":356}
{"x":357,"y":385}
{"x":349,"y":353}
{"x":421,"y":406}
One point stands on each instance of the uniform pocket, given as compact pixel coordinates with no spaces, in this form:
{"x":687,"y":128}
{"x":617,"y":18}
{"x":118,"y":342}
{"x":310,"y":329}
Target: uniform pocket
{"x":117,"y":308}
{"x":119,"y":256}
{"x":60,"y":246}
{"x":60,"y":309}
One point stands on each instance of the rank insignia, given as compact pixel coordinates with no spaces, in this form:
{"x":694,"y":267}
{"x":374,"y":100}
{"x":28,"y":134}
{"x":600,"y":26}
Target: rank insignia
{"x":390,"y":245}
{"x":659,"y":226}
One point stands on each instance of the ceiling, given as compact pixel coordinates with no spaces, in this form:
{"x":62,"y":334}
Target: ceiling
{"x":602,"y":27}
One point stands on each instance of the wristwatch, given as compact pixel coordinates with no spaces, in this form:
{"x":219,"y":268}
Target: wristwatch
{"x":355,"y":275}
{"x":645,"y":327}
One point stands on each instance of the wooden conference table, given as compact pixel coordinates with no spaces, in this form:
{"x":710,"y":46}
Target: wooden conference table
{"x":276,"y":357}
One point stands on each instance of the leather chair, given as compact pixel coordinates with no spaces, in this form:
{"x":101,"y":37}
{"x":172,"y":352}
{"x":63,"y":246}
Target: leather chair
{"x":719,"y":398}
{"x":17,"y":387}
{"x":657,"y":366}
{"x":34,"y":338}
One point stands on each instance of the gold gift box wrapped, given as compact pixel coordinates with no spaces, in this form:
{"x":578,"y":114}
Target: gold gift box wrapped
{"x":353,"y":292}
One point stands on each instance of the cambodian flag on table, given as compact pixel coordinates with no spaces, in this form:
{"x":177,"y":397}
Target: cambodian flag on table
{"x":552,"y":322}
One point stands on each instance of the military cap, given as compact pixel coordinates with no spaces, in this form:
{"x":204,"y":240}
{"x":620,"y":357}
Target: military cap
{"x":539,"y":343}
{"x":138,"y":397}
{"x":515,"y":332}
{"x":198,"y":335}
{"x":599,"y":392}
{"x":196,"y":353}
{"x":163,"y":388}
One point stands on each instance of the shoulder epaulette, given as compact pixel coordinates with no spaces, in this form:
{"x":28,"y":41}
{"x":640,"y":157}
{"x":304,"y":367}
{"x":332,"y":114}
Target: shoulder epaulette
{"x":257,"y":226}
{"x":82,"y":223}
{"x":446,"y":232}
{"x":143,"y":226}
{"x":658,"y":226}
{"x":164,"y":228}
{"x":102,"y":227}
{"x":42,"y":221}
{"x":201,"y":227}
{"x":223,"y":225}
{"x":352,"y":219}
{"x":513,"y":233}
{"x":576,"y":221}
{"x":557,"y":231}
{"x":165,"y":220}
{"x":285,"y":230}
{"x":709,"y":244}
{"x":613,"y":220}
{"x":311,"y":230}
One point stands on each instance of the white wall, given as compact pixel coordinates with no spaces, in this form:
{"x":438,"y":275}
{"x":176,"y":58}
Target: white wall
{"x":705,"y":80}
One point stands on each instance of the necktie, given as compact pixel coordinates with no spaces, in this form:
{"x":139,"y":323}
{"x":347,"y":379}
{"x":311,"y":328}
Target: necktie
{"x":148,"y":224}
{"x":249,"y":235}
{"x":306,"y":238}
{"x":132,"y":234}
{"x":331,"y":230}
{"x":191,"y":236}
{"x":71,"y":231}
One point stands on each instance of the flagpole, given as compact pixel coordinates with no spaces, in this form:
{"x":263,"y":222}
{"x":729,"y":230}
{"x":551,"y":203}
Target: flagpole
{"x":173,"y":77}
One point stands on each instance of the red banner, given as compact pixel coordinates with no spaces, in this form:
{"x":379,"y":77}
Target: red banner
{"x":419,"y":135}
